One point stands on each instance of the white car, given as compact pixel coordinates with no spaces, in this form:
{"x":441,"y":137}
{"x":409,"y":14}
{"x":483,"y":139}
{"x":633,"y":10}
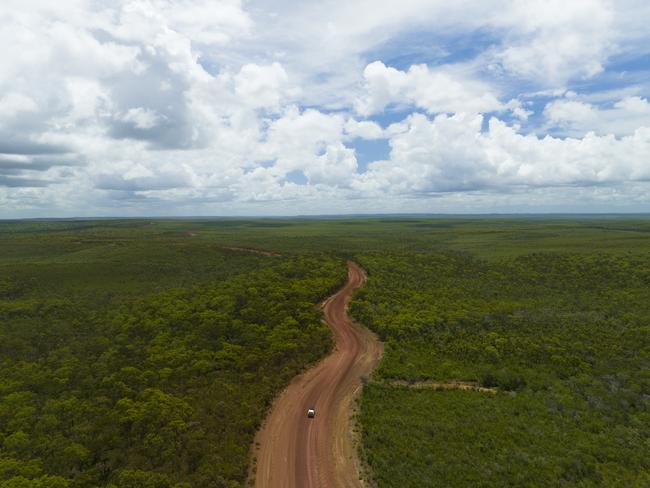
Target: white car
{"x":311,"y":412}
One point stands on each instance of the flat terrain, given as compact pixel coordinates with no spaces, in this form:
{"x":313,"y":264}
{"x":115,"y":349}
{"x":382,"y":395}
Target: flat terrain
{"x":559,"y":344}
{"x":140,"y":353}
{"x":295,"y":451}
{"x":139,"y":358}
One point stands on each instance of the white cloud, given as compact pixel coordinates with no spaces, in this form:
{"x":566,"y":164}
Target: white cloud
{"x":160,"y":104}
{"x":622,"y":117}
{"x":206,"y":21}
{"x":451,"y":154}
{"x":137,"y":177}
{"x":15,"y":103}
{"x":141,"y":118}
{"x":309,"y":141}
{"x":435,"y":90}
{"x":364,"y":129}
{"x":261,"y":86}
{"x":555,"y":40}
{"x":201,"y":21}
{"x":335,"y":167}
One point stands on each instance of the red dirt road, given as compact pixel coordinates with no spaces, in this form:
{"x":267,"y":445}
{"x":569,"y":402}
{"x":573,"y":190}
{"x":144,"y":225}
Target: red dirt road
{"x":296,"y":452}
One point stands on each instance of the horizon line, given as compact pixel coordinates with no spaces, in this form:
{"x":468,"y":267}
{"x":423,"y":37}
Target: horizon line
{"x":333,"y":216}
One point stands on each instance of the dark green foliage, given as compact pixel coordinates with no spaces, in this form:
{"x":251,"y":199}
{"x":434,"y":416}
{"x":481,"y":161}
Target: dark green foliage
{"x":142,"y":353}
{"x":564,"y":337}
{"x":424,"y":438}
{"x":141,"y":386}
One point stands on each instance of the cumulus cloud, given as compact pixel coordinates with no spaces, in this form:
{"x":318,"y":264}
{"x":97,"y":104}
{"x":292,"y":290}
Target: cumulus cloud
{"x":557,"y":40}
{"x":141,"y":118}
{"x":208,"y":106}
{"x":434,"y":90}
{"x":363,"y":129}
{"x":452,"y":154}
{"x":14,"y":103}
{"x":261,"y":86}
{"x":134,"y":177}
{"x":622,"y":117}
{"x":310,"y":141}
{"x":206,"y":23}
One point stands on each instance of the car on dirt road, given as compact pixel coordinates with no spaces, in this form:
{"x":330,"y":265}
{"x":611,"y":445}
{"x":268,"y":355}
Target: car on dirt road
{"x":311,"y":412}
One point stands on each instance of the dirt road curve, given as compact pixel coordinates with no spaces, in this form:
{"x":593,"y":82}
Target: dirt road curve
{"x":297,"y":452}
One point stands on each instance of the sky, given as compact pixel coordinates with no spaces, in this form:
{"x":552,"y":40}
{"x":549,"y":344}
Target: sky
{"x":229,"y":107}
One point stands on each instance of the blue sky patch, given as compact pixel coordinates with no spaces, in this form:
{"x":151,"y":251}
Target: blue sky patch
{"x":297,"y":177}
{"x":368,"y":151}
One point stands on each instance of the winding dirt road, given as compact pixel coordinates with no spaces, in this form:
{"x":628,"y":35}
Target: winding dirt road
{"x":296,"y":452}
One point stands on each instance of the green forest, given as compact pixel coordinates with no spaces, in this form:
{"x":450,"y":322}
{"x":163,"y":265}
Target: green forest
{"x":132,"y":362}
{"x":563,"y":338}
{"x":145,"y":353}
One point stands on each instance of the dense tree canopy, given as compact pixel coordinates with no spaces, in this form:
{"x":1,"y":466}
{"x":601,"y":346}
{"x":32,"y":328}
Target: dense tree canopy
{"x":161,"y":389}
{"x":565,"y":338}
{"x":144,"y":354}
